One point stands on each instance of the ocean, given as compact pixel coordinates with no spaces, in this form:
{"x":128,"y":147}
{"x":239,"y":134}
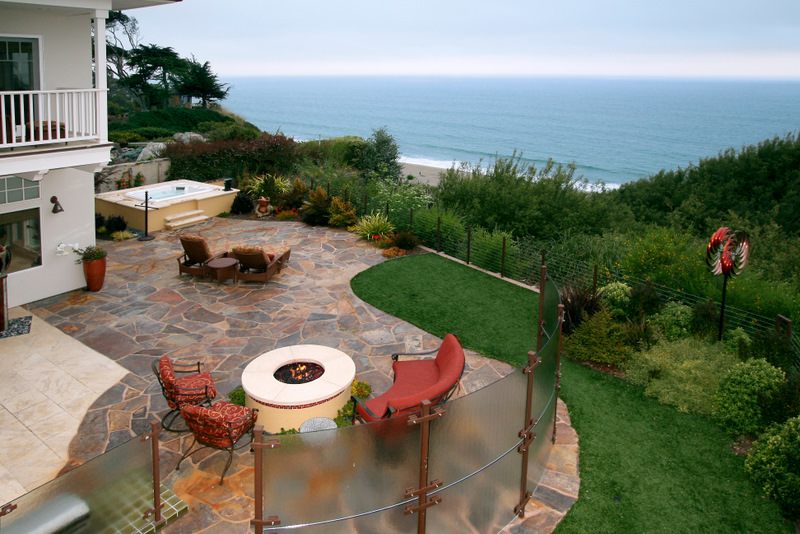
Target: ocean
{"x":614,"y":130}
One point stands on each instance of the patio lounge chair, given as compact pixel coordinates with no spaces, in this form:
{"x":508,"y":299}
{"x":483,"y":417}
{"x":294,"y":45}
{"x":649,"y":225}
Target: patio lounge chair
{"x":220,"y":426}
{"x":193,"y":389}
{"x":255,"y":263}
{"x":432,"y":379}
{"x":196,"y":255}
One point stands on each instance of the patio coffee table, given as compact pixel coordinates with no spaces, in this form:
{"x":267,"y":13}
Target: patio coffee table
{"x":224,"y":269}
{"x":282,"y":405}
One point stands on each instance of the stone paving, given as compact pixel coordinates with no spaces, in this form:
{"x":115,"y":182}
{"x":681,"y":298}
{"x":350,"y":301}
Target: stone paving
{"x":146,"y":310}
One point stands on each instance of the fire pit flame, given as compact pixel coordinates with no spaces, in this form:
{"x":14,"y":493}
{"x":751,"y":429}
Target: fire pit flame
{"x":299,"y":372}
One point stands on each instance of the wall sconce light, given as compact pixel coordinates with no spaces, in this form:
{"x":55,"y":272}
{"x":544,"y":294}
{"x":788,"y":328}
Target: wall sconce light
{"x":56,"y":205}
{"x":61,"y":249}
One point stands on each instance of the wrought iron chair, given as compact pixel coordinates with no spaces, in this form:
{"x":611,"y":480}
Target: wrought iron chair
{"x":432,"y":379}
{"x":196,"y":388}
{"x":220,"y":426}
{"x":255,"y":264}
{"x":196,"y":255}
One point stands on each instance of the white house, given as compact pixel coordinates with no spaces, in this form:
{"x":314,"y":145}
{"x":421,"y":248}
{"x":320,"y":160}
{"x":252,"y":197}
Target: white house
{"x":53,"y":137}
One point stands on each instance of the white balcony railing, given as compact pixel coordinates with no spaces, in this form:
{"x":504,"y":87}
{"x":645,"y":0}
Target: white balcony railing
{"x":29,"y":118}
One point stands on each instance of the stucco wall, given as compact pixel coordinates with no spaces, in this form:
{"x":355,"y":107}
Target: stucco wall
{"x":75,"y":224}
{"x":154,"y":172}
{"x":65,"y":45}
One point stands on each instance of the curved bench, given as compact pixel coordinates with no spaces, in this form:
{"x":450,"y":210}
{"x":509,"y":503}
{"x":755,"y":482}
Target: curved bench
{"x":432,"y":379}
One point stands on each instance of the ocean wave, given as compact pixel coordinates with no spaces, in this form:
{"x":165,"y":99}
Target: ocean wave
{"x":426,"y":162}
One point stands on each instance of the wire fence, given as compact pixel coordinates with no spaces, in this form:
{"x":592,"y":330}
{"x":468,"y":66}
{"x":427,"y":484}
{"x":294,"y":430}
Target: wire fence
{"x":520,"y":260}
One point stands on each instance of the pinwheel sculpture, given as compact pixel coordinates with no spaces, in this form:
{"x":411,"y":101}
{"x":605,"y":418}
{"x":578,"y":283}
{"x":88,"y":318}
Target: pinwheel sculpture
{"x":727,"y":254}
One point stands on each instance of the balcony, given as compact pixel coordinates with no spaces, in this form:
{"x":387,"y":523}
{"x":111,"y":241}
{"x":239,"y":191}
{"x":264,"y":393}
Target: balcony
{"x":39,"y":118}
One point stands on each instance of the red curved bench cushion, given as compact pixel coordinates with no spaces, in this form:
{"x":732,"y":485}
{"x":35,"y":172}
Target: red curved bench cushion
{"x":418,"y":380}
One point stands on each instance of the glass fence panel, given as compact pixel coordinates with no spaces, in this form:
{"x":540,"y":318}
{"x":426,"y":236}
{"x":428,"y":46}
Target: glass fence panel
{"x":482,"y":503}
{"x":544,"y":377}
{"x":551,"y":302}
{"x":477,"y":429}
{"x":330,"y":474}
{"x":388,"y":521}
{"x":98,"y":495}
{"x":539,"y":453}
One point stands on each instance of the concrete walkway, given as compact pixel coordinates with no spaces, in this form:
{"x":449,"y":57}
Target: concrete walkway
{"x":146,"y":310}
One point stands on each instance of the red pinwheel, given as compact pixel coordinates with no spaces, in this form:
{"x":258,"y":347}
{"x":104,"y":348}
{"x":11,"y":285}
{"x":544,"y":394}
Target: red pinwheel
{"x":727,"y":254}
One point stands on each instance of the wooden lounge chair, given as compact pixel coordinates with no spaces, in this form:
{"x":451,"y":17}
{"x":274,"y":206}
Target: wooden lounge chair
{"x":196,"y":255}
{"x":220,"y":426}
{"x":255,"y":264}
{"x":432,"y":379}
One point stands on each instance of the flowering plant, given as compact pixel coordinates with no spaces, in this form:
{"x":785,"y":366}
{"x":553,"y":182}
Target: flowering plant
{"x":286,"y":214}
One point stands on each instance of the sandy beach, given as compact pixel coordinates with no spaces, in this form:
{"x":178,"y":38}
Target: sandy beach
{"x":422,"y":173}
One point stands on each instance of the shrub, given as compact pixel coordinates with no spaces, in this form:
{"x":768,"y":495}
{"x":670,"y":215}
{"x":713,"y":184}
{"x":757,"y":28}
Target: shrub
{"x":123,"y":138}
{"x":122,"y":235}
{"x":399,"y":198}
{"x":99,"y":222}
{"x":617,"y":298}
{"x":639,"y":333}
{"x":580,"y":303}
{"x":224,"y":131}
{"x":644,"y":300}
{"x":317,"y":211}
{"x":242,"y":204}
{"x":342,"y":213}
{"x":372,"y":225}
{"x":736,"y":339}
{"x":269,"y":186}
{"x":598,"y":339}
{"x":774,"y":347}
{"x":774,"y":463}
{"x":151,"y":132}
{"x":116,"y":223}
{"x":237,"y":396}
{"x":742,"y":394}
{"x":685,"y":373}
{"x":674,"y":321}
{"x":705,"y":320}
{"x":406,"y":240}
{"x":294,"y":197}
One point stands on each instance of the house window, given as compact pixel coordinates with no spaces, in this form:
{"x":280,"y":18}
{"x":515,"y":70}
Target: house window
{"x":16,"y":189}
{"x":19,"y":64}
{"x":19,"y":231}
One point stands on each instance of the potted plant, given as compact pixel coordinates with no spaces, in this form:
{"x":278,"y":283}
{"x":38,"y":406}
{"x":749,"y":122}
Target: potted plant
{"x":94,"y":266}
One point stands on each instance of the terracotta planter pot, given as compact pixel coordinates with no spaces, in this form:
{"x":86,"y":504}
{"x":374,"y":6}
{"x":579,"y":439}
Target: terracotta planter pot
{"x":95,"y":273}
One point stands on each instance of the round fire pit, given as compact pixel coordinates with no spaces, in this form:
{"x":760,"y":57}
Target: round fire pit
{"x":288,"y":402}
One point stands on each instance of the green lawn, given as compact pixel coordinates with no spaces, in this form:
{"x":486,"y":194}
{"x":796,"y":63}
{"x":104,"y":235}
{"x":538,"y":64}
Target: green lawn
{"x":645,"y":467}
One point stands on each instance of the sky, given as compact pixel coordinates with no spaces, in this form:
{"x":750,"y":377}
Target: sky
{"x":609,"y":38}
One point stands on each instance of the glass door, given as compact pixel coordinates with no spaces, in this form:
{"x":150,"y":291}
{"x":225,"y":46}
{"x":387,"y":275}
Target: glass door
{"x":19,"y":71}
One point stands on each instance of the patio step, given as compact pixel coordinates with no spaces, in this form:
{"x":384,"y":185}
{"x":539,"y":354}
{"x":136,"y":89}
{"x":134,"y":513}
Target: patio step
{"x":181,"y":220}
{"x":183,"y":215}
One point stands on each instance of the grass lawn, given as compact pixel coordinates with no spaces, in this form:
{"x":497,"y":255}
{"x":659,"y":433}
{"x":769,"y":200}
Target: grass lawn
{"x":645,"y":467}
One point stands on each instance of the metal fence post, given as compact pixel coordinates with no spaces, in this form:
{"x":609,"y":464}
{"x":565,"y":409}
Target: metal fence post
{"x":157,"y":505}
{"x":258,"y":447}
{"x":424,"y":418}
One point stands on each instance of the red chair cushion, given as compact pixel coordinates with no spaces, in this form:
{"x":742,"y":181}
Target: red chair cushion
{"x":166,"y":370}
{"x":219,"y":426}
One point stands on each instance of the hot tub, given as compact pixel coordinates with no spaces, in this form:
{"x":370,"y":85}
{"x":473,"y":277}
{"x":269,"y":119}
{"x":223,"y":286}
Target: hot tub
{"x":168,"y":203}
{"x":167,"y":191}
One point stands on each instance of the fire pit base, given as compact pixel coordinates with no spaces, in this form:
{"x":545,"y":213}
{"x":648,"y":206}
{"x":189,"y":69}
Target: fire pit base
{"x":288,"y":406}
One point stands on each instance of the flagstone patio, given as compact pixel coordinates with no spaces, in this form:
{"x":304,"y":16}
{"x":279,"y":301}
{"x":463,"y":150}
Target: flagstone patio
{"x":146,"y":310}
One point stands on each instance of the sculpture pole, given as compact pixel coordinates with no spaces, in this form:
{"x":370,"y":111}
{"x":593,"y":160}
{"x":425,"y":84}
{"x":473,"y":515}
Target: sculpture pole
{"x":727,"y":254}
